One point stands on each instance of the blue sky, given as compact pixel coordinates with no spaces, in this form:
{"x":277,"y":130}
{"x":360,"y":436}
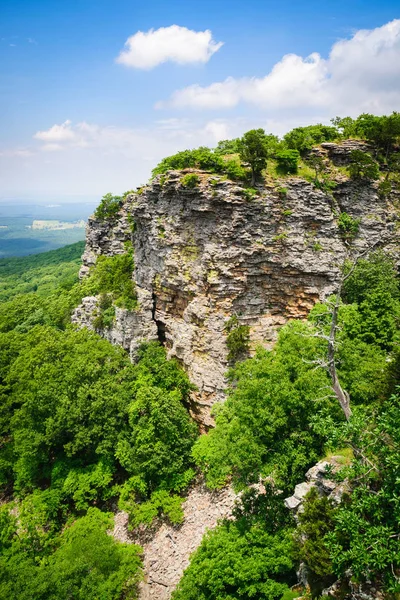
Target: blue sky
{"x":77,"y":123}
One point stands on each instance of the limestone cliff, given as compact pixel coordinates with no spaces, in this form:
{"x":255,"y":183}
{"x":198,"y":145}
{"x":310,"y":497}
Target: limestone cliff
{"x":205,"y":253}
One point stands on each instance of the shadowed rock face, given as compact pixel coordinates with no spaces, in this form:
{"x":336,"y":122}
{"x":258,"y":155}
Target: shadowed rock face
{"x":204,"y":254}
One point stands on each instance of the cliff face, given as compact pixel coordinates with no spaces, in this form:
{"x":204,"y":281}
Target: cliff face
{"x":207,"y":253}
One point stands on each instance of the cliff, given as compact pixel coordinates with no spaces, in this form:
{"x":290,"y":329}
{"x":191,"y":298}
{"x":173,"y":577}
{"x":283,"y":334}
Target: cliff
{"x":206,"y":253}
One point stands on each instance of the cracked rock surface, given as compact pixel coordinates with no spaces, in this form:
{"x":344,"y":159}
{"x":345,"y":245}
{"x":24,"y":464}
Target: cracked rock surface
{"x":204,"y":254}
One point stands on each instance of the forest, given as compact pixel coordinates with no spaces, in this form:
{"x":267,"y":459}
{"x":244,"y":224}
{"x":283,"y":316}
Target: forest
{"x":82,"y":438}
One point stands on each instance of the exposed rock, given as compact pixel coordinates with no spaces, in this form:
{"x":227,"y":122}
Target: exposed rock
{"x":339,"y":153}
{"x":318,"y":477}
{"x":166,"y":553}
{"x":206,"y":253}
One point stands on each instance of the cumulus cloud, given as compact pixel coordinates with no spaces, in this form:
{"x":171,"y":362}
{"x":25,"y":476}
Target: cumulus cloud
{"x":361,"y":74}
{"x":57,"y":133}
{"x":146,"y":50}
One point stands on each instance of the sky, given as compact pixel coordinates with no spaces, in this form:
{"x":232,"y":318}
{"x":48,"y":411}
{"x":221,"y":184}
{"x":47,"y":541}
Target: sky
{"x":93,"y":93}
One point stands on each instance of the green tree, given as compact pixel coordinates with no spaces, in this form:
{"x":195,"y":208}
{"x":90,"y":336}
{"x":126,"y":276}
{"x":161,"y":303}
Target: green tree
{"x":265,"y":425}
{"x":366,"y":534}
{"x":304,"y":139}
{"x":288,"y":161}
{"x":249,"y":557}
{"x":254,"y":148}
{"x":362,"y":166}
{"x":86,"y":564}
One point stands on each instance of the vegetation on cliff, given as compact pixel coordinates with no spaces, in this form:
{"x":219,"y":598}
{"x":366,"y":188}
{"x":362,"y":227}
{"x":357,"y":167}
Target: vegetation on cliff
{"x":258,"y":154}
{"x":81,"y":427}
{"x":83,"y":430}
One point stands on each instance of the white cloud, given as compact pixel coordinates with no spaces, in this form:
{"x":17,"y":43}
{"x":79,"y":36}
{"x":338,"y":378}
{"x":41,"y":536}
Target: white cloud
{"x":146,"y":50}
{"x":57,"y":133}
{"x":360,"y":74}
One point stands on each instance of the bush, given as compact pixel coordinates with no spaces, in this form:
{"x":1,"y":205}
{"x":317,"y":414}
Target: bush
{"x":348,"y":226}
{"x":264,"y":427}
{"x":287,"y":161}
{"x":105,"y":312}
{"x":237,"y":340}
{"x":304,"y":139}
{"x":112,"y":278}
{"x":109,"y":207}
{"x":235,"y":171}
{"x":362,"y":166}
{"x":201,"y":158}
{"x":191,"y":180}
{"x":316,"y":520}
{"x":233,"y":562}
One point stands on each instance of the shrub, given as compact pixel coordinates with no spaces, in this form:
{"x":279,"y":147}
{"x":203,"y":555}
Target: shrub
{"x":237,"y":340}
{"x":362,"y":166}
{"x":201,"y":158}
{"x":287,"y":161}
{"x":105,"y":312}
{"x":190,"y":180}
{"x":315,"y":522}
{"x":249,"y":193}
{"x":112,"y":277}
{"x":304,"y":139}
{"x":109,"y":207}
{"x":234,"y":170}
{"x":348,"y":226}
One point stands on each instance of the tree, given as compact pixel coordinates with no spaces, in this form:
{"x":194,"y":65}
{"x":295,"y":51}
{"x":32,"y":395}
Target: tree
{"x":247,"y":558}
{"x":366,"y":537}
{"x":362,"y":166}
{"x":264,"y":427}
{"x":288,"y":161}
{"x":225,"y":147}
{"x":253,"y":150}
{"x":304,"y":139}
{"x":317,"y":163}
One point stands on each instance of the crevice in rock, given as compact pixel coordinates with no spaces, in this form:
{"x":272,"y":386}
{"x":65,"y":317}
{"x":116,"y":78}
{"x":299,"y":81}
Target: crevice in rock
{"x":159,"y":324}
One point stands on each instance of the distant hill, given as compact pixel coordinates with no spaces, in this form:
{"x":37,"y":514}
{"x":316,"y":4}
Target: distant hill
{"x":40,"y":273}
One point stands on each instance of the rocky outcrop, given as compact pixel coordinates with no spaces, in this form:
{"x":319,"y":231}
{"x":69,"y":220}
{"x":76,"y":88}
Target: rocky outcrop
{"x":166,"y":552}
{"x":319,"y":477}
{"x":339,"y":154}
{"x":203,"y":254}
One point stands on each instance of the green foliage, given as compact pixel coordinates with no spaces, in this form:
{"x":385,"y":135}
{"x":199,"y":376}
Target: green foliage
{"x":288,"y":161}
{"x":315,"y":522}
{"x":201,"y":158}
{"x":160,"y":437}
{"x":265,"y":425}
{"x":348,"y":226}
{"x":362,"y":166}
{"x":374,"y":287}
{"x":190,"y":180}
{"x":250,"y":193}
{"x":113,"y":275}
{"x":86,"y":564}
{"x":234,"y":170}
{"x":237,"y":339}
{"x":365,"y":536}
{"x":226,"y":147}
{"x":109,"y":207}
{"x":161,"y":505}
{"x":254,"y":148}
{"x":247,"y":558}
{"x":105,"y":312}
{"x":40,"y":273}
{"x":384,"y":188}
{"x":304,"y":139}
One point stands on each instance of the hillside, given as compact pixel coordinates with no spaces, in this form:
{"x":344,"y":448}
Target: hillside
{"x":40,"y":273}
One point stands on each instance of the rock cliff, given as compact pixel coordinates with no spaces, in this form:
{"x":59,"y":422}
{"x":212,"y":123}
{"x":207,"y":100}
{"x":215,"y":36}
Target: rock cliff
{"x":206,"y":253}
